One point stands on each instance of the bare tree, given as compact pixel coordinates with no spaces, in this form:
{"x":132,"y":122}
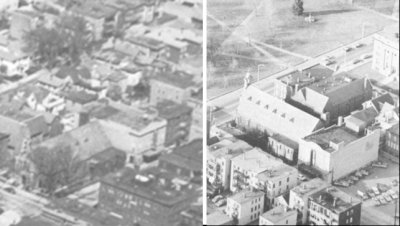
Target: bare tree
{"x":297,"y":7}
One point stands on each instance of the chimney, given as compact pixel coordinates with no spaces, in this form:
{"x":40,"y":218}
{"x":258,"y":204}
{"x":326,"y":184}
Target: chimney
{"x":320,"y":198}
{"x":285,"y":209}
{"x":334,"y":202}
{"x":309,"y":74}
{"x":340,"y":121}
{"x":296,"y":87}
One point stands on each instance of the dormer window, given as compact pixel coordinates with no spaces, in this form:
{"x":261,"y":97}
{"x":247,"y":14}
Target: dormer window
{"x":249,"y":98}
{"x":274,"y":111}
{"x":266,"y":106}
{"x":292,"y":120}
{"x":258,"y":102}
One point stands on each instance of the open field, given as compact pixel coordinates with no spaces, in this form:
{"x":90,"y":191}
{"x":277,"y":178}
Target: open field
{"x":272,"y":26}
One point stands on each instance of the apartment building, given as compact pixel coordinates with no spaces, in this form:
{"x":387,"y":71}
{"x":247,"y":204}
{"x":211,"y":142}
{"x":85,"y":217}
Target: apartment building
{"x":279,"y":215}
{"x":245,"y":206}
{"x":332,"y":206}
{"x":299,"y":196}
{"x":260,"y":170}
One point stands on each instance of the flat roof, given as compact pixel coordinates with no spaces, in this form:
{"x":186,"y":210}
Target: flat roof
{"x":278,"y":213}
{"x":219,"y":218}
{"x":228,"y":150}
{"x":93,"y":9}
{"x":257,"y":161}
{"x":169,"y":109}
{"x":335,"y":134}
{"x":284,"y":140}
{"x":246,"y":196}
{"x":309,"y":187}
{"x":177,"y":78}
{"x":307,"y":76}
{"x":327,"y":196}
{"x":163,"y":193}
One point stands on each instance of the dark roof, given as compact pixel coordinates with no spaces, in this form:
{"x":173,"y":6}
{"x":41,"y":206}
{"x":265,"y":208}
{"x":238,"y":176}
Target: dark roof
{"x":153,"y":190}
{"x":366,"y":115}
{"x":188,"y":156}
{"x":4,"y":136}
{"x":80,"y":97}
{"x":147,"y":42}
{"x":168,"y":109}
{"x":177,"y":78}
{"x":385,"y":98}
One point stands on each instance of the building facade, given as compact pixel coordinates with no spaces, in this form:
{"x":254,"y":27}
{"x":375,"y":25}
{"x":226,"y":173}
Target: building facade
{"x":245,"y":206}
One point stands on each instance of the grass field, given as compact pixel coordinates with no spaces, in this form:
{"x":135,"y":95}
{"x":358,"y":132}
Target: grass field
{"x":273,"y":23}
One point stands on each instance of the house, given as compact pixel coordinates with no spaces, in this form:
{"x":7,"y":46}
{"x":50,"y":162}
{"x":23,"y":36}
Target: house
{"x":338,"y":151}
{"x":184,"y":161}
{"x":260,"y":170}
{"x":51,"y":82}
{"x":322,"y":93}
{"x":13,"y":59}
{"x":359,"y":120}
{"x":299,"y":195}
{"x":178,"y":117}
{"x":331,"y":206}
{"x":76,"y":100}
{"x":175,"y":86}
{"x":219,"y":157}
{"x":147,"y":197}
{"x":245,"y":206}
{"x":386,"y":52}
{"x":263,"y":112}
{"x":279,"y":216}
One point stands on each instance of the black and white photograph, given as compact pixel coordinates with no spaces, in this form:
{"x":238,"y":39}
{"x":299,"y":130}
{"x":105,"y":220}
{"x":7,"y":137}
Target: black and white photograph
{"x":302,"y":112}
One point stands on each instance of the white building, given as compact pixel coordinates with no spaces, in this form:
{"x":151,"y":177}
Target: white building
{"x":219,"y":157}
{"x":338,"y":151}
{"x":279,"y":215}
{"x":246,"y":206}
{"x":386,"y":51}
{"x":299,"y":195}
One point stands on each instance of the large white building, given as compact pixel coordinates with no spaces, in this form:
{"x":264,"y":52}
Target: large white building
{"x":260,"y":170}
{"x":386,"y":51}
{"x":261,"y":111}
{"x":337,"y":151}
{"x":246,"y":206}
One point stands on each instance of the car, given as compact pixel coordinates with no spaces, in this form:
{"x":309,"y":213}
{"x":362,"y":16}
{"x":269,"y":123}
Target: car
{"x":376,"y":191}
{"x":365,"y":56}
{"x":358,"y":45}
{"x":371,"y":194}
{"x":382,"y":200}
{"x":301,"y":177}
{"x":217,"y":198}
{"x":387,"y":197}
{"x":355,"y":61}
{"x":395,"y":183}
{"x":10,"y":190}
{"x":327,"y":62}
{"x":346,"y":49}
{"x":221,"y":202}
{"x":354,"y":178}
{"x":380,"y":165}
{"x":364,"y":172}
{"x":359,"y":174}
{"x":341,"y":183}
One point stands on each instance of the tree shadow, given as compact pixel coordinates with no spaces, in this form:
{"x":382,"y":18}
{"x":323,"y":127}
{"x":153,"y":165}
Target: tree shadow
{"x":328,"y":12}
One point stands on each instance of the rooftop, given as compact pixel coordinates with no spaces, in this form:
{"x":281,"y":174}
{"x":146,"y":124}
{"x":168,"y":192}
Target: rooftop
{"x":218,"y":218}
{"x":168,"y":109}
{"x":81,"y":97}
{"x":257,"y":161}
{"x":177,"y":78}
{"x":128,"y":4}
{"x":152,"y":184}
{"x":246,"y":196}
{"x":327,"y":138}
{"x":334,"y":199}
{"x":94,"y":9}
{"x":284,"y":140}
{"x":189,"y":156}
{"x":228,"y":149}
{"x":147,"y":42}
{"x":366,"y":115}
{"x":395,"y":129}
{"x":140,"y":120}
{"x":390,"y":33}
{"x":306,"y":77}
{"x":277,"y":214}
{"x":307,"y":188}
{"x":329,"y":83}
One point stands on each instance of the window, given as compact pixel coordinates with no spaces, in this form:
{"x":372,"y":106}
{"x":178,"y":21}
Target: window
{"x":287,"y":179}
{"x":280,"y":182}
{"x":287,"y":221}
{"x":351,"y":220}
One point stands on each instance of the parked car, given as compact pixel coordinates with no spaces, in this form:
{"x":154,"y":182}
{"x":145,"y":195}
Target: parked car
{"x":327,"y":62}
{"x":395,"y":182}
{"x":365,"y":56}
{"x":301,"y":177}
{"x":387,"y":197}
{"x":341,"y":183}
{"x":359,"y":174}
{"x":10,"y":190}
{"x":371,"y":193}
{"x":375,"y":190}
{"x":217,"y":198}
{"x":363,"y":195}
{"x":358,"y":45}
{"x":380,"y":164}
{"x":364,"y":172}
{"x":347,"y":49}
{"x":221,"y":202}
{"x":354,"y":178}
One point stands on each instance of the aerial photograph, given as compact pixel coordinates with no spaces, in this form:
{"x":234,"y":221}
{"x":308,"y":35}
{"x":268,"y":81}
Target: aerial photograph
{"x":302,"y":112}
{"x":101,"y":112}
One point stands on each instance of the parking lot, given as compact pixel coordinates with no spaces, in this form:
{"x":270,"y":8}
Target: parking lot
{"x":371,"y":213}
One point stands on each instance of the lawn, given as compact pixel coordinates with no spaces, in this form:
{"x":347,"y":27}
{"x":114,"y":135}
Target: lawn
{"x":273,"y":23}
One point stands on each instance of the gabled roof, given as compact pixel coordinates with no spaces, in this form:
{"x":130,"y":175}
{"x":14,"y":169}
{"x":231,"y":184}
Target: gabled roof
{"x":380,"y":100}
{"x":276,"y":115}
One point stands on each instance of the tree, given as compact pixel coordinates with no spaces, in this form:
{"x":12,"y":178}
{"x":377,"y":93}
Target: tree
{"x":297,"y":7}
{"x":66,"y":41}
{"x":55,"y":167}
